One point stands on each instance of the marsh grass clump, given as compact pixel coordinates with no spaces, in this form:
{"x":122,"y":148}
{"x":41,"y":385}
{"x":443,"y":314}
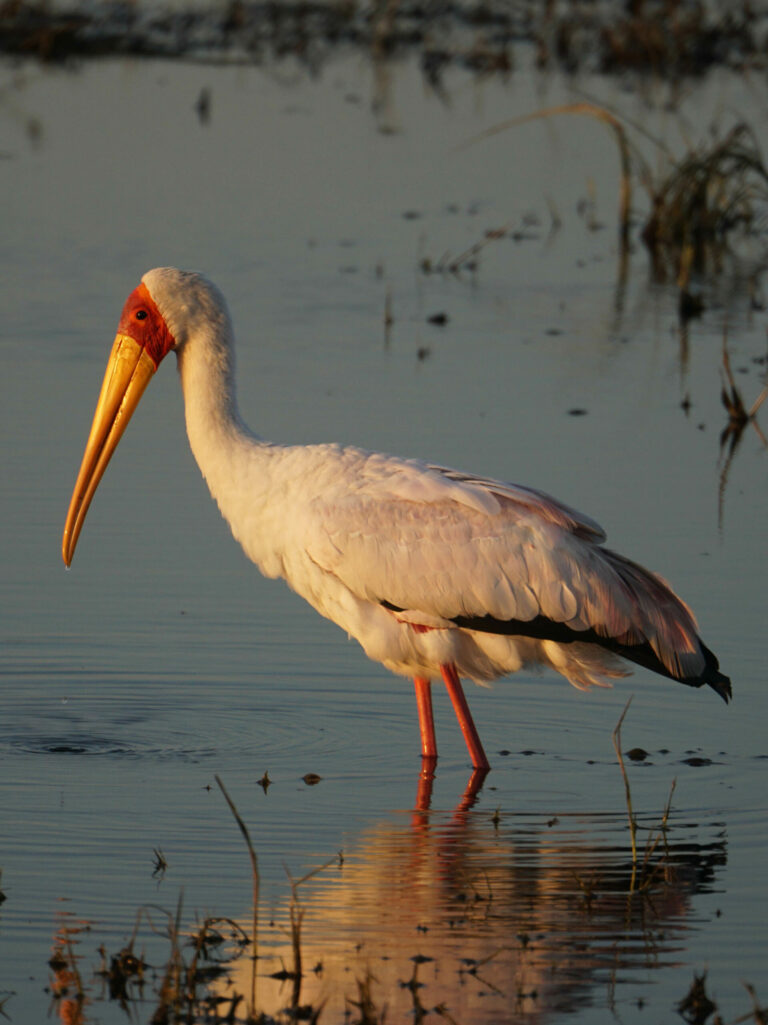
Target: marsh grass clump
{"x":700,"y":205}
{"x":714,"y":191}
{"x":184,"y":987}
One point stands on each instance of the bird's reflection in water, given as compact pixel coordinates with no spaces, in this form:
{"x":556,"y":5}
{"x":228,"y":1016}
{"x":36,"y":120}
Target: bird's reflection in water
{"x":485,"y":916}
{"x":426,"y":782}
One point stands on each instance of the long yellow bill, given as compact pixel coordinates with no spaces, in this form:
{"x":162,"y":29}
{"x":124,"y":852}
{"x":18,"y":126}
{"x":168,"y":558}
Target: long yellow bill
{"x":128,"y":373}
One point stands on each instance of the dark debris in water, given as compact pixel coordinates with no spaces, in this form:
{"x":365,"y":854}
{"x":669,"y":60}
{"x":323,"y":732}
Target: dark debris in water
{"x":124,"y":969}
{"x":482,"y":36}
{"x":696,"y":1006}
{"x":421,"y":959}
{"x":88,"y":746}
{"x":159,"y":863}
{"x":438,"y":319}
{"x":637,"y":754}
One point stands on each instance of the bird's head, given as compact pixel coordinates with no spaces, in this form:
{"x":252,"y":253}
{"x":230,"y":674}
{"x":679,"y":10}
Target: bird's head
{"x":159,"y":315}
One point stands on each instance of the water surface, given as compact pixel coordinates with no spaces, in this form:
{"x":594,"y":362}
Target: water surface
{"x":162,"y":658}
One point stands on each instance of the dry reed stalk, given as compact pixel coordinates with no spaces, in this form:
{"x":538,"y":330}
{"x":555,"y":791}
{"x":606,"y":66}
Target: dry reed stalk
{"x":169,"y":1007}
{"x":297,"y":918}
{"x":632,"y":820}
{"x":738,"y":418}
{"x":255,"y":881}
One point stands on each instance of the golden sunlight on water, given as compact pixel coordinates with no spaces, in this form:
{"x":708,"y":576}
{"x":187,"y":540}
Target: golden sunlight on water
{"x":480,"y":916}
{"x":407,"y":278}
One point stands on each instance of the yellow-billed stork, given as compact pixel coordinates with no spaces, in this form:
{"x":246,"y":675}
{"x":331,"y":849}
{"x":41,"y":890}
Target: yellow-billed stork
{"x":433,"y":571}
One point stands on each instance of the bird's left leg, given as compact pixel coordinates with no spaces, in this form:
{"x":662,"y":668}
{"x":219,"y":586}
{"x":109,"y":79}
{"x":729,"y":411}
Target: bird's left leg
{"x":426,"y":722}
{"x":463,"y":714}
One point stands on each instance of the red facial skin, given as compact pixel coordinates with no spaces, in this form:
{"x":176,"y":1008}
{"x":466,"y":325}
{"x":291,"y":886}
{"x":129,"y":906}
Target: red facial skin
{"x":142,"y":321}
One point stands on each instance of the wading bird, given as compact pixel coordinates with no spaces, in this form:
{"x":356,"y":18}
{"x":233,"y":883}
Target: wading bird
{"x":434,"y":572}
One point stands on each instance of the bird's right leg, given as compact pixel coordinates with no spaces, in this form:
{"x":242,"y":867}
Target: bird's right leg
{"x":463,"y":714}
{"x":426,"y":722}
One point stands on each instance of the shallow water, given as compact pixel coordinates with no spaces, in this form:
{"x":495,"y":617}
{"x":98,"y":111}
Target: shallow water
{"x":162,"y":658}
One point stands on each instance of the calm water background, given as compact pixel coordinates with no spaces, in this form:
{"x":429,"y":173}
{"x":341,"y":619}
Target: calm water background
{"x":162,"y":658}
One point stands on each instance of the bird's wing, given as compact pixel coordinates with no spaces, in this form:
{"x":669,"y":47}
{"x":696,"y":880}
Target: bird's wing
{"x":423,"y":539}
{"x":438,"y":548}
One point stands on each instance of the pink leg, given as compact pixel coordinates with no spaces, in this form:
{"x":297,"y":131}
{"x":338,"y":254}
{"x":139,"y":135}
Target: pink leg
{"x":424,"y":791}
{"x":426,"y":722}
{"x":463,"y":714}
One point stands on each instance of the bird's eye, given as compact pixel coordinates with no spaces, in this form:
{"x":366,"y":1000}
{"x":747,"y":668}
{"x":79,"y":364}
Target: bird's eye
{"x":141,"y":314}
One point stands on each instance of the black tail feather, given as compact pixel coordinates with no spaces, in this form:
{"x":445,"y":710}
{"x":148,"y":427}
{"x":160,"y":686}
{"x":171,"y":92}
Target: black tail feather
{"x":641,"y":654}
{"x":712,"y":675}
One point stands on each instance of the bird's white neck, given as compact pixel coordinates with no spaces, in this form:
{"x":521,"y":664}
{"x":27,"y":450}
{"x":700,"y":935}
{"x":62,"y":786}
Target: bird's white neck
{"x":226,"y":451}
{"x":206,"y":367}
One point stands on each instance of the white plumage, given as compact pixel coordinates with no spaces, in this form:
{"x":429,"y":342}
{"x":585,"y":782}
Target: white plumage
{"x":433,"y":571}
